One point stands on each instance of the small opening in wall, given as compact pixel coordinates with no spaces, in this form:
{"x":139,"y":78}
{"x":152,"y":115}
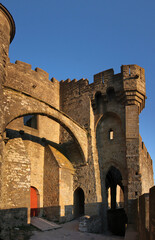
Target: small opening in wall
{"x":129,"y":71}
{"x":136,"y":173}
{"x":30,"y":121}
{"x":110,"y":93}
{"x":111,"y":134}
{"x":89,"y":191}
{"x":136,"y":193}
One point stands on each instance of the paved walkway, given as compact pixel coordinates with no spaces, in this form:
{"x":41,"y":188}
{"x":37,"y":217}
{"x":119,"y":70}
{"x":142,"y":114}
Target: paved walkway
{"x":69,"y":231}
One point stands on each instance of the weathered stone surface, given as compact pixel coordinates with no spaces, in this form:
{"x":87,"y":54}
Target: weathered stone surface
{"x":152,"y":213}
{"x":91,"y":224}
{"x":78,"y":136}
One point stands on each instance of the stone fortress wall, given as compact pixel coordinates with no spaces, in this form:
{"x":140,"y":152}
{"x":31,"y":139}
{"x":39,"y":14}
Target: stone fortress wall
{"x":85,"y":140}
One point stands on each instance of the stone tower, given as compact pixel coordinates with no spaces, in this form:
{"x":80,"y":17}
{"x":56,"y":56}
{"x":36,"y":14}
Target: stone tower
{"x":7,"y":32}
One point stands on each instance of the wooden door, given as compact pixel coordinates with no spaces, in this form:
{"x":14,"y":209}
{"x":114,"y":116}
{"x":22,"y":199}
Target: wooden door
{"x":34,"y":202}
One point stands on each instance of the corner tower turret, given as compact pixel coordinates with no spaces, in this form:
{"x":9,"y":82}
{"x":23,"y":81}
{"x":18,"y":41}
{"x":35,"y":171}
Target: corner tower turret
{"x":133,"y":78}
{"x":134,"y":85}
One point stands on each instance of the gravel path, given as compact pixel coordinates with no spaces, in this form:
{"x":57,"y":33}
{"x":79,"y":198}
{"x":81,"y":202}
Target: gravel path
{"x":69,"y":231}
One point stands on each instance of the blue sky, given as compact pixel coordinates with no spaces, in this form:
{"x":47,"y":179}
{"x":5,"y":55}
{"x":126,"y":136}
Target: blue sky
{"x":77,"y":39}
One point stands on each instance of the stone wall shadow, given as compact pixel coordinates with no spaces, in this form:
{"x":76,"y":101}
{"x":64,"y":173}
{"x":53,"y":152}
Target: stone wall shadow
{"x":117,"y":221}
{"x":11,"y":218}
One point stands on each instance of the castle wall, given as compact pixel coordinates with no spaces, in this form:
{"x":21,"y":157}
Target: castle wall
{"x":152,"y":213}
{"x":36,"y":83}
{"x":51,"y":186}
{"x":76,"y":102}
{"x":48,"y":129}
{"x":132,"y":151}
{"x":143,"y":217}
{"x":15,"y":191}
{"x":111,"y":150}
{"x":88,"y":114}
{"x":36,"y":154}
{"x":16,"y":175}
{"x":58,"y":186}
{"x":35,"y":146}
{"x":66,"y":194}
{"x":146,"y":167}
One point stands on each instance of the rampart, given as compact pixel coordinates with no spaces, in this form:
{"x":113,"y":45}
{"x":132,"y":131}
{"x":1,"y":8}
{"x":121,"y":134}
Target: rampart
{"x":36,"y":84}
{"x":146,"y":167}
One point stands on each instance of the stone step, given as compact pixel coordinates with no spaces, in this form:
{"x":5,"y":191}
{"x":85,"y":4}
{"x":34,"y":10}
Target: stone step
{"x":43,"y":224}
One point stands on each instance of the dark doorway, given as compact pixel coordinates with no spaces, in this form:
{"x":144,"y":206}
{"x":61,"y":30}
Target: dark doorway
{"x":78,"y":202}
{"x":34,"y":202}
{"x":117,"y":218}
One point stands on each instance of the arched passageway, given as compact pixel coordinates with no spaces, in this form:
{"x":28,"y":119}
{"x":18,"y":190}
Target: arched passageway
{"x":117,"y":218}
{"x":79,"y":200}
{"x":34,"y":202}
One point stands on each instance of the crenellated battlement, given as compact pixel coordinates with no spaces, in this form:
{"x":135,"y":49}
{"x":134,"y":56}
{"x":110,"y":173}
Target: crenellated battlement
{"x":129,"y":85}
{"x":71,"y":82}
{"x":35,"y":83}
{"x":133,"y":78}
{"x":40,"y":73}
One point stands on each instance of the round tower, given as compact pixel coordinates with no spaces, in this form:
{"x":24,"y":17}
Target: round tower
{"x":7,"y":26}
{"x":7,"y":32}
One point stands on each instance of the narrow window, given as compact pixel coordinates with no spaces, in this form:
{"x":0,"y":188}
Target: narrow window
{"x":30,"y":121}
{"x":129,"y":71}
{"x":111,"y":134}
{"x":99,"y":102}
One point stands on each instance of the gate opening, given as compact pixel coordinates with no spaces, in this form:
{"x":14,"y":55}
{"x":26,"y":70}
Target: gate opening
{"x":78,"y":202}
{"x":34,"y":202}
{"x":117,"y":218}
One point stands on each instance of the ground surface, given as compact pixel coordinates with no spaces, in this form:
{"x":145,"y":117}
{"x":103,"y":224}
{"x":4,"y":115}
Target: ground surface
{"x":70,"y":231}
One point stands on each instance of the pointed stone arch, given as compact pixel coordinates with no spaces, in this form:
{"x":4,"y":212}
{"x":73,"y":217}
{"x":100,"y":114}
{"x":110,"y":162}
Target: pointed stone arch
{"x":21,"y":105}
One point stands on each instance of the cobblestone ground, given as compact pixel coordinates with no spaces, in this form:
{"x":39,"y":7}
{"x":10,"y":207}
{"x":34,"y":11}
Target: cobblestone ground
{"x":69,"y":231}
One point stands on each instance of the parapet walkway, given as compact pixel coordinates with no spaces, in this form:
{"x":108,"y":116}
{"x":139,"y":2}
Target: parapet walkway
{"x":69,"y":231}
